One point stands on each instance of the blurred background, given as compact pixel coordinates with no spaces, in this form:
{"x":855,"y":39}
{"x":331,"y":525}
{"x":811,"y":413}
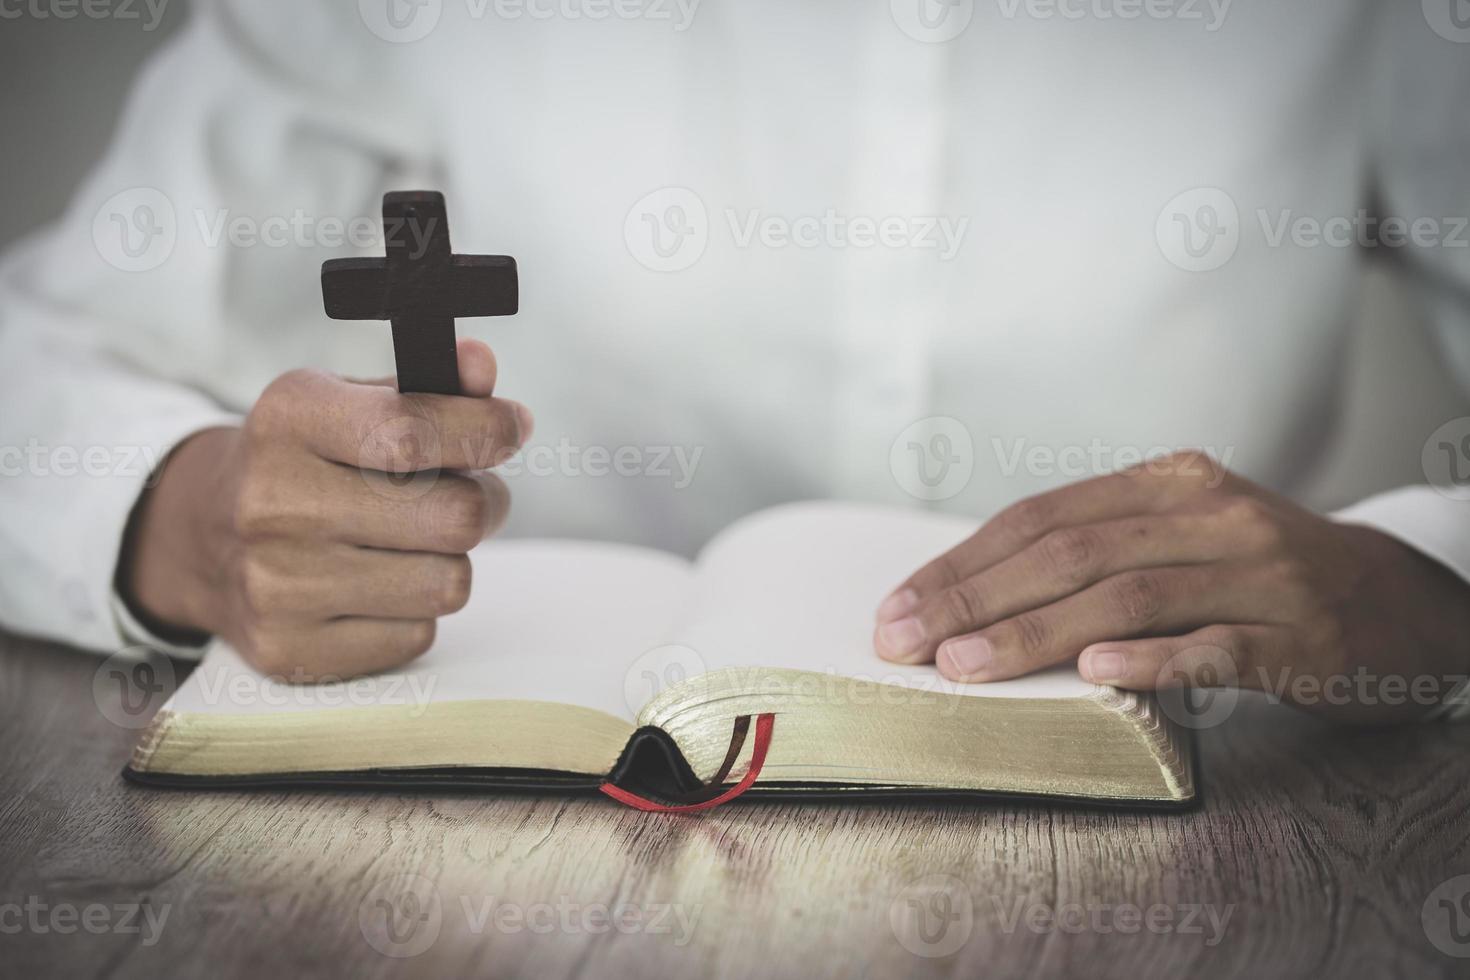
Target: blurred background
{"x":66,"y":81}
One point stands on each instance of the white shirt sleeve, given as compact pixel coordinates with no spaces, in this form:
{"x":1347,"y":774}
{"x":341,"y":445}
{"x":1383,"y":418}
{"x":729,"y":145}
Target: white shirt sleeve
{"x":132,"y":323}
{"x":1420,"y":158}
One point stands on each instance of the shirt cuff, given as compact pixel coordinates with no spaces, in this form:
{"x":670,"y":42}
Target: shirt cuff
{"x":134,"y":633}
{"x":1433,"y":524}
{"x":97,"y":539}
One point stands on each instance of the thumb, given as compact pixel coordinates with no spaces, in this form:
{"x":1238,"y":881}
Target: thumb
{"x":477,"y":370}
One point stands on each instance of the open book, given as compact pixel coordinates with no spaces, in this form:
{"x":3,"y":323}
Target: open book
{"x":576,"y":665}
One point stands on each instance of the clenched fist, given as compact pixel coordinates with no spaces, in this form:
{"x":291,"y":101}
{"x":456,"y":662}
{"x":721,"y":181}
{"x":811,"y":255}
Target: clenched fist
{"x":326,"y":535}
{"x":1177,"y":572}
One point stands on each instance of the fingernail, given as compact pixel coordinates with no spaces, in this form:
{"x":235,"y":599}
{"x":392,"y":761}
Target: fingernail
{"x":896,"y":605}
{"x":903,"y":637}
{"x":1102,"y":666}
{"x":968,"y":655}
{"x":527,"y":421}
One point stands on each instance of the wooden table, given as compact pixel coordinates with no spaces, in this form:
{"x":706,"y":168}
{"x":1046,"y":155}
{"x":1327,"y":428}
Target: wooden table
{"x":1321,"y":846}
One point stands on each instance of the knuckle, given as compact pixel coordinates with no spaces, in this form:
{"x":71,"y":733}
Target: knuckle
{"x":1220,"y":655}
{"x":255,"y":514}
{"x":960,"y":606}
{"x":1031,"y":634}
{"x":1219,"y":637}
{"x":1197,"y":467}
{"x":272,"y":654}
{"x":941,"y":572}
{"x":1254,"y":519}
{"x":276,"y":408}
{"x":1027,"y":519}
{"x":1291,"y":580}
{"x":398,"y":443}
{"x":417,"y":639}
{"x":256,"y":587}
{"x":1137,"y":598}
{"x":461,"y":514}
{"x":1071,"y":554}
{"x":497,"y":500}
{"x":501,"y":432}
{"x":452,"y":590}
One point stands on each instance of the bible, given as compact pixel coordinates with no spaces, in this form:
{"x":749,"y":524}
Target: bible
{"x":582,"y":666}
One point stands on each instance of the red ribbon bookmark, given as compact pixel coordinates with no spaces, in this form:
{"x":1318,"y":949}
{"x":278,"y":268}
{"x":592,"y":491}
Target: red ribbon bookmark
{"x":763,"y":726}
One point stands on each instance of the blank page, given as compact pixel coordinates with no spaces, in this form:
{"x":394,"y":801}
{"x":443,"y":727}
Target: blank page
{"x":797,"y":586}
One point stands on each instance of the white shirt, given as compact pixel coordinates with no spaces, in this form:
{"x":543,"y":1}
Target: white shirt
{"x":816,"y":248}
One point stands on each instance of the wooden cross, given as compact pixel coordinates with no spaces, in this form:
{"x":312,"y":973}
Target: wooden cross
{"x":421,"y":286}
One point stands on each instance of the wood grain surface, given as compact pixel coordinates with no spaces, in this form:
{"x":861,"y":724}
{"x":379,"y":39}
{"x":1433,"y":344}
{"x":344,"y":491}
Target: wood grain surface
{"x":1315,"y":853}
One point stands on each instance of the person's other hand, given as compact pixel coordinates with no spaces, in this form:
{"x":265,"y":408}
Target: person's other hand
{"x":1178,"y":572}
{"x":326,"y":535}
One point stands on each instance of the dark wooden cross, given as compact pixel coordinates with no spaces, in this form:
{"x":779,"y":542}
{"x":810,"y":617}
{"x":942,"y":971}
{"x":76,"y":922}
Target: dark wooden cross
{"x":421,"y":286}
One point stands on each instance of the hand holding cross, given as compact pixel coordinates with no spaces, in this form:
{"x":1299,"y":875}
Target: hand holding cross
{"x":421,"y":286}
